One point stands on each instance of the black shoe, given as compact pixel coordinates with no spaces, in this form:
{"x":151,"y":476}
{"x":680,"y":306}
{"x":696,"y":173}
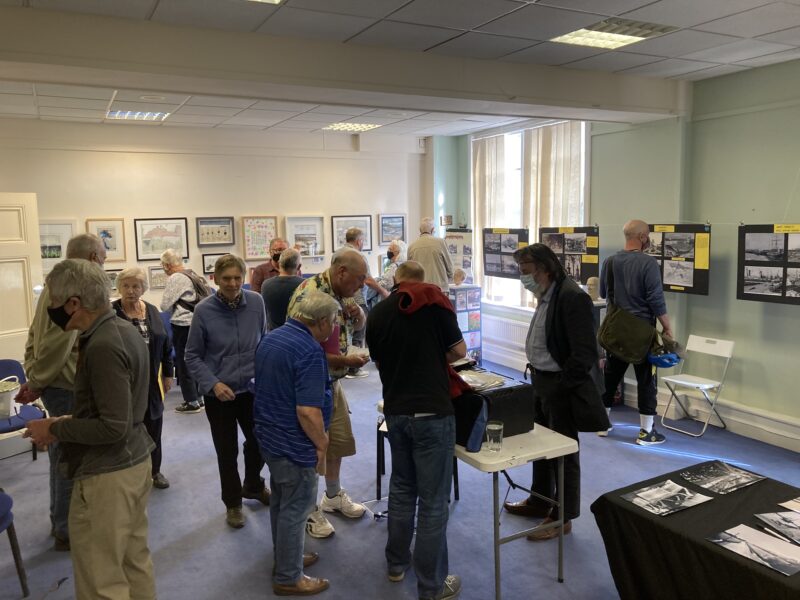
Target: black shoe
{"x":651,"y":438}
{"x":188,"y":409}
{"x":61,"y":545}
{"x":160,"y":482}
{"x":262,"y":495}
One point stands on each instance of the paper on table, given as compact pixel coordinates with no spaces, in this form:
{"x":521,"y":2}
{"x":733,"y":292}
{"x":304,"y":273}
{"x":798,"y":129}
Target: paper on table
{"x":761,"y":548}
{"x":792,"y":505}
{"x":787,"y":524}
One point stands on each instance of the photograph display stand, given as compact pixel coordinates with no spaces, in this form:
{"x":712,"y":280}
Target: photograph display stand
{"x":683,"y":252}
{"x":498,"y":251}
{"x":577,"y":249}
{"x":459,"y":247}
{"x":466,"y":301}
{"x":769,"y":263}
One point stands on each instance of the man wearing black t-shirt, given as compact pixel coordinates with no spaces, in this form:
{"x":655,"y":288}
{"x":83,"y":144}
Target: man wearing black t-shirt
{"x":412,"y":336}
{"x":277,"y":291}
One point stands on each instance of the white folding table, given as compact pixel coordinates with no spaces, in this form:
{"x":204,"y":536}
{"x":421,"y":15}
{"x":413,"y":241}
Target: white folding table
{"x":539,"y":444}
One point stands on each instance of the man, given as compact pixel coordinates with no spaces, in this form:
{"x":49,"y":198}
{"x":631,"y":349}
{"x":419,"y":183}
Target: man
{"x":637,"y":288}
{"x":431,"y":253}
{"x":345,"y":276}
{"x":293,"y":404}
{"x":412,"y":336}
{"x":561,"y":348}
{"x":180,"y":290}
{"x":51,"y":355}
{"x":277,"y":291}
{"x":106,"y":449}
{"x":271,"y":268}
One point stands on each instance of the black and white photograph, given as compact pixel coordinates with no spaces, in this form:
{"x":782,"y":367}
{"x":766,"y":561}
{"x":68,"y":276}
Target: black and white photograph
{"x":793,"y":247}
{"x":767,"y":247}
{"x":785,"y":523}
{"x":767,"y":281}
{"x":461,"y":301}
{"x":656,"y":246}
{"x":554,"y":241}
{"x":665,"y":498}
{"x":492,"y":242}
{"x":493,"y":264}
{"x":720,"y":477}
{"x":467,"y":249}
{"x":793,"y":282}
{"x":679,"y":245}
{"x":678,"y":272}
{"x":452,"y":248}
{"x":792,"y":504}
{"x":209,"y":260}
{"x":473,"y":299}
{"x":575,"y":243}
{"x":509,"y":265}
{"x":763,"y":548}
{"x":466,"y":262}
{"x":572,"y":265}
{"x":509,"y":242}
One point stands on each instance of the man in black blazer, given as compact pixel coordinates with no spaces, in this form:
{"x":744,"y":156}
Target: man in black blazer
{"x":562,"y":353}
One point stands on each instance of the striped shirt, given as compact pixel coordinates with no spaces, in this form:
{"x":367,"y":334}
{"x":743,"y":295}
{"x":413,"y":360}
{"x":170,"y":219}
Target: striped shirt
{"x":291,"y":371}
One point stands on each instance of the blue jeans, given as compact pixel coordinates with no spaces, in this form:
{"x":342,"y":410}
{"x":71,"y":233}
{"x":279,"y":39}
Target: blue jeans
{"x":58,"y":402}
{"x":294,"y":495}
{"x":422,"y":468}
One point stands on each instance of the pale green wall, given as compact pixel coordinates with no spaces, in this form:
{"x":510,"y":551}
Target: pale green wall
{"x":451,"y":178}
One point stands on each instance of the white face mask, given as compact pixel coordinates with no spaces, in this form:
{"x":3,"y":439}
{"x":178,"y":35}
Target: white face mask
{"x":530,"y":284}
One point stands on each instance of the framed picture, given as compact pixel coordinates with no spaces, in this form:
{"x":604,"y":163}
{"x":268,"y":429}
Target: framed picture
{"x":391,"y":227}
{"x":112,"y":278}
{"x":257,"y":233}
{"x":153,"y":236}
{"x":53,"y":238}
{"x":158,"y":278}
{"x":209,"y":260}
{"x":340,"y":225}
{"x":112,"y":232}
{"x":305,"y":233}
{"x":215,"y":231}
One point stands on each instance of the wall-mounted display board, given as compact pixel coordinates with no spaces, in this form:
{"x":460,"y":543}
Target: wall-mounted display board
{"x":466,"y":301}
{"x":459,"y":246}
{"x":577,"y":249}
{"x":498,"y":250}
{"x":769,"y":263}
{"x":682,"y":252}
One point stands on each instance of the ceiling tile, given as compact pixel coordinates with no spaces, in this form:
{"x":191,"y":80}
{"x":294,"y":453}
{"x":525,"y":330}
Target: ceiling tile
{"x":686,"y":13}
{"x":668,"y":68}
{"x":370,"y":120}
{"x":251,"y":121}
{"x":17,"y":109}
{"x":47,"y":111}
{"x":712,"y":72}
{"x":771,"y":59}
{"x":312,"y":117}
{"x":396,"y":113}
{"x":217,"y":111}
{"x":129,"y":9}
{"x":72,"y":119}
{"x":741,"y":50}
{"x":404,"y":36}
{"x":167,"y":123}
{"x":552,"y":53}
{"x":232,"y":16}
{"x":15,"y":87}
{"x":613,"y":61}
{"x":759,"y":21}
{"x":302,"y":125}
{"x":359,"y":8}
{"x":143,"y":107}
{"x":456,"y":14}
{"x":607,"y":7}
{"x":194,"y":119}
{"x":680,"y":42}
{"x":541,"y":22}
{"x":481,"y":45}
{"x":55,"y":101}
{"x":439,"y":117}
{"x":267,"y":115}
{"x":220,"y":101}
{"x":287,"y":106}
{"x":787,"y":36}
{"x":313,"y":24}
{"x":73,"y":91}
{"x":17,"y":100}
{"x":151,"y":97}
{"x":334,"y":109}
{"x":240,"y":127}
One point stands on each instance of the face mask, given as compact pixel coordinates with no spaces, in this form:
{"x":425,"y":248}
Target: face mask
{"x":59,"y":316}
{"x":389,"y":254}
{"x":276,"y":257}
{"x":529,"y":283}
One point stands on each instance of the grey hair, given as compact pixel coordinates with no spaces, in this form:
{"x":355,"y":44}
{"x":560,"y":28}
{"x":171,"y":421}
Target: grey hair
{"x":171,"y":257}
{"x":133,"y":273}
{"x":402,"y":255}
{"x":83,"y":246}
{"x":347,"y":257}
{"x":426,"y":225}
{"x":352,"y":234}
{"x":313,"y":306}
{"x":274,"y":241}
{"x":289,"y":260}
{"x":82,"y":278}
{"x":227,"y":261}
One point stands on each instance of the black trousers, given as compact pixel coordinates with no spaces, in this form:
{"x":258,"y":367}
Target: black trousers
{"x":552,"y":410}
{"x":645,"y":383}
{"x":153,"y":427}
{"x":180,"y":334}
{"x":223,"y":418}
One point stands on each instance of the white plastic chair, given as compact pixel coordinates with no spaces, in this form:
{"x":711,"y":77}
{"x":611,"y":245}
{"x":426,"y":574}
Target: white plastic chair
{"x":684,"y":382}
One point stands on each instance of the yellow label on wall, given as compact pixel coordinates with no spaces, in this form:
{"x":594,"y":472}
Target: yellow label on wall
{"x":701,"y":250}
{"x":678,"y":258}
{"x":496,"y":230}
{"x":566,"y":230}
{"x":666,"y":228}
{"x":589,"y":258}
{"x":592,"y":241}
{"x":787,"y":228}
{"x":677,"y":288}
{"x":521,"y":244}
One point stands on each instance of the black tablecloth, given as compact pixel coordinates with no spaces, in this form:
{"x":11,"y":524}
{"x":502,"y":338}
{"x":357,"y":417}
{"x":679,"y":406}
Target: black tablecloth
{"x":653,"y":557}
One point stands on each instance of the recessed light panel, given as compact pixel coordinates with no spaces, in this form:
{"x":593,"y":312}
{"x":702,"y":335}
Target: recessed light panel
{"x":131,"y":115}
{"x":613,"y":33}
{"x":351,"y":127}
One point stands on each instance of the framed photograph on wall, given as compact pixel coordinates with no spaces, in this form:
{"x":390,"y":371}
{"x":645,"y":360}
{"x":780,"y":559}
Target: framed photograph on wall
{"x":158,"y":278}
{"x":257,"y":233}
{"x":153,"y":236}
{"x":340,"y":225}
{"x":112,"y":232}
{"x":391,"y":227}
{"x":306,"y":234}
{"x":112,"y":278}
{"x":209,"y":260}
{"x":215,"y":231}
{"x":53,"y":237}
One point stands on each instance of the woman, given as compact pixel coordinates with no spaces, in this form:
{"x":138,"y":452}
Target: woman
{"x":131,"y":284}
{"x":396,"y":253}
{"x":220,"y":354}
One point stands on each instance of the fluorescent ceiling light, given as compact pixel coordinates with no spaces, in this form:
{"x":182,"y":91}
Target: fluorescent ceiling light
{"x":613,"y":33}
{"x":356,"y":127}
{"x":134,"y":115}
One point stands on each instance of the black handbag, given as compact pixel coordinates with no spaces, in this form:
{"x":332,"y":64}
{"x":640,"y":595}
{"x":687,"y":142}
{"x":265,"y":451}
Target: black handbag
{"x":624,"y":335}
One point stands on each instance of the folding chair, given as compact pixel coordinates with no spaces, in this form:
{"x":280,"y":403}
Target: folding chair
{"x":685,"y":382}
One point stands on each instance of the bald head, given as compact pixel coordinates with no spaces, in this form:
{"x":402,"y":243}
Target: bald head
{"x":348,"y":271}
{"x":409,"y":271}
{"x":637,"y":235}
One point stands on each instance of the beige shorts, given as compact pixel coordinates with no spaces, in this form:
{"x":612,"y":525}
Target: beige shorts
{"x":341,"y":442}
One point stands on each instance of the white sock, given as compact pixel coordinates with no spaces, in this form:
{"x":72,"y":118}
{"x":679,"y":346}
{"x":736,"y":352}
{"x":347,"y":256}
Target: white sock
{"x":646,"y":422}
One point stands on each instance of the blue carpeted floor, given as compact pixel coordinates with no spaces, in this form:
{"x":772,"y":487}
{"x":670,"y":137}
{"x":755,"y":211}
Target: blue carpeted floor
{"x":197,"y":556}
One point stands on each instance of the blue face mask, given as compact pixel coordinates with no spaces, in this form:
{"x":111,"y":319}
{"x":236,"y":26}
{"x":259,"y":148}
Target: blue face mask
{"x":529,"y":283}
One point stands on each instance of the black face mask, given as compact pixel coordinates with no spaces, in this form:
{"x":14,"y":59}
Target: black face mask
{"x":390,"y":255}
{"x":276,"y":257}
{"x":59,"y":315}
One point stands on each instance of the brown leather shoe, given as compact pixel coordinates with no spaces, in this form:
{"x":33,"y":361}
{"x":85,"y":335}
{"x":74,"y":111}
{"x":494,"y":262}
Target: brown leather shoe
{"x":305,"y":586}
{"x":524,"y":509}
{"x":548,"y":534}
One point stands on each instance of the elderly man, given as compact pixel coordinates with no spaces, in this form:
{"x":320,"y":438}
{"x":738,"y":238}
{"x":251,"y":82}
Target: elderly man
{"x":638,"y":290}
{"x":293,"y":404}
{"x":271,"y":268}
{"x":106,"y":449}
{"x":412,"y":336}
{"x":277,"y":291}
{"x":50,"y":358}
{"x":562,"y":352}
{"x":345,"y":276}
{"x":431,"y":253}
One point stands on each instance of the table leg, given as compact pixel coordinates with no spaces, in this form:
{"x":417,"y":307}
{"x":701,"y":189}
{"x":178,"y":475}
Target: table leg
{"x":561,"y":518}
{"x":496,"y":507}
{"x":380,"y":461}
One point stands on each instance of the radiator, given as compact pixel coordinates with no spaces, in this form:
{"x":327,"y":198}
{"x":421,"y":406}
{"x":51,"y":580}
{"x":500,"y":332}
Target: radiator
{"x":504,"y":341}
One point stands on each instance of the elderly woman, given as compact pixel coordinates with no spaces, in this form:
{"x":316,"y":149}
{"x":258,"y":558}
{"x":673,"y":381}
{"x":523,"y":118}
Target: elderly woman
{"x":396,"y":253}
{"x":220,"y":354}
{"x":131,"y":284}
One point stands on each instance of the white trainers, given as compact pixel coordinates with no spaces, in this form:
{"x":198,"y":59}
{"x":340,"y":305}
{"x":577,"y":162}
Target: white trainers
{"x":343,"y":504}
{"x":605,"y":432}
{"x":318,"y":526}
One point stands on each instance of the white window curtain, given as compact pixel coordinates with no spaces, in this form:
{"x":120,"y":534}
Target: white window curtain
{"x":488,"y":188}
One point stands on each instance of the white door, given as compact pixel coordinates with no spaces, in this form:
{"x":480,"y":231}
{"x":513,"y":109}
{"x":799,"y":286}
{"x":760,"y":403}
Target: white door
{"x":20,"y":270}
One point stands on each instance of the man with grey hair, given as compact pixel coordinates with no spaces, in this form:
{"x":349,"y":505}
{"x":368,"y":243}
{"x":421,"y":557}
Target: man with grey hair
{"x":106,"y":449}
{"x":277,"y":291}
{"x":271,"y":268}
{"x":431,"y":253}
{"x":50,"y":359}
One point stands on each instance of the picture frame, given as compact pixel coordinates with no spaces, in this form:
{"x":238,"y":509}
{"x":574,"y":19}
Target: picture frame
{"x":391,"y":227}
{"x":112,"y":232}
{"x":208,"y":262}
{"x":340,"y":225}
{"x":215,"y":231}
{"x":112,"y":278}
{"x":157,"y":278}
{"x":54,"y":234}
{"x":257,"y":233}
{"x":307,"y":234}
{"x":153,"y":236}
